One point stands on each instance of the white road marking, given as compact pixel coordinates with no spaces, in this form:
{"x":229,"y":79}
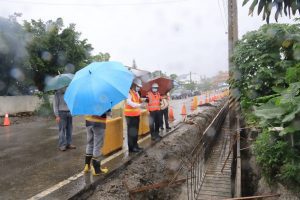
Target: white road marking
{"x":56,"y":187}
{"x":76,"y":176}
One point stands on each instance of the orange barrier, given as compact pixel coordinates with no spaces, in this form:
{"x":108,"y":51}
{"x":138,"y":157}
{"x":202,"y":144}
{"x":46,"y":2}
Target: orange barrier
{"x":6,"y":121}
{"x":183,"y":110}
{"x":113,"y":137}
{"x":171,"y":114}
{"x":206,"y":100}
{"x":195,"y":103}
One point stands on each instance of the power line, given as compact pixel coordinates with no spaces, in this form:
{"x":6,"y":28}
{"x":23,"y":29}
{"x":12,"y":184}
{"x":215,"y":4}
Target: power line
{"x":225,"y":7}
{"x":223,"y":20}
{"x":93,"y":4}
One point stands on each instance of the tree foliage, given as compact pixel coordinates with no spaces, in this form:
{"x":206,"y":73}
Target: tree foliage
{"x":173,"y":76}
{"x":265,"y":77}
{"x":55,"y":48}
{"x":100,"y":57}
{"x":13,"y":57}
{"x":265,"y":7}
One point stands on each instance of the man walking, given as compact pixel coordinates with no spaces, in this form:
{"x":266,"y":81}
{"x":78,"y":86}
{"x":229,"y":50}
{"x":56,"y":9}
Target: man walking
{"x":132,"y":113}
{"x":64,"y":120}
{"x":153,"y":99}
{"x":164,"y":112}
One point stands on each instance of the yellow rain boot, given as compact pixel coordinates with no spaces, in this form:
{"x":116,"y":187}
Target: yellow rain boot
{"x":104,"y":170}
{"x":96,"y":169}
{"x":87,"y":165}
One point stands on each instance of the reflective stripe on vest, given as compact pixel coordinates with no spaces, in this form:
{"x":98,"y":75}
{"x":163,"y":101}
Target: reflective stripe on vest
{"x":131,"y":111}
{"x":154,"y":101}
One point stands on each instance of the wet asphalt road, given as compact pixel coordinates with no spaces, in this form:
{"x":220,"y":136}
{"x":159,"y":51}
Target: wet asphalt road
{"x":31,"y":162}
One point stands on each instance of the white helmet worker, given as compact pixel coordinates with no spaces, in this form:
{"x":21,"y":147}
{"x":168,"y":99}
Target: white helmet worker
{"x":137,"y":82}
{"x":155,"y":85}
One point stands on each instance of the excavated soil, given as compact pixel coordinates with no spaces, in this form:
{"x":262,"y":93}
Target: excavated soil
{"x":160,"y":162}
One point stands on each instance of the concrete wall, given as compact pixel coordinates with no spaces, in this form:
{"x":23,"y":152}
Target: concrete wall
{"x":17,"y":104}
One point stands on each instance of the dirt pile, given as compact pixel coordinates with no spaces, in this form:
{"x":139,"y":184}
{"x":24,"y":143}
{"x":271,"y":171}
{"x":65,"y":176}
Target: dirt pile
{"x":160,"y":162}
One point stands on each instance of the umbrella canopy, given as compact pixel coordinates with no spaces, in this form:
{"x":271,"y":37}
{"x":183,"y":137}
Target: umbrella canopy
{"x":141,"y":74}
{"x":165,"y":85}
{"x":58,"y":82}
{"x":97,"y":88}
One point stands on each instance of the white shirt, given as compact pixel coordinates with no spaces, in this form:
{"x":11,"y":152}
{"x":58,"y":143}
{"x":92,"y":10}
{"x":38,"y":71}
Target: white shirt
{"x":164,"y":104}
{"x":131,"y":103}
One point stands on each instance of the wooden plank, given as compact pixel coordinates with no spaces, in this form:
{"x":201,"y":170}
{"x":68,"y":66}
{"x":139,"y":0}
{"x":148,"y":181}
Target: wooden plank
{"x":211,"y":193}
{"x":255,"y":197}
{"x":214,"y":186}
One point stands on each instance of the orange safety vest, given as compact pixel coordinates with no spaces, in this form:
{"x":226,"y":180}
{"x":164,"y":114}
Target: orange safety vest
{"x":129,"y":110}
{"x":154,"y":101}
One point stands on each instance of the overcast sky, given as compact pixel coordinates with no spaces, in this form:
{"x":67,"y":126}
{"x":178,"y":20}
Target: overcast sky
{"x":175,"y":36}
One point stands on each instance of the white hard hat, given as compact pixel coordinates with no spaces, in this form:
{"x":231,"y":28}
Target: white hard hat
{"x":155,"y":85}
{"x":138,"y":82}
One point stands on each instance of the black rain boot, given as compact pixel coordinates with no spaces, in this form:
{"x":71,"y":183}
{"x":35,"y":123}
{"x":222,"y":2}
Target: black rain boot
{"x":87,"y":166}
{"x":95,"y":167}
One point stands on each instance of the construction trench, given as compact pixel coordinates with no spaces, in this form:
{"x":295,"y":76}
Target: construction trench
{"x":166,"y":170}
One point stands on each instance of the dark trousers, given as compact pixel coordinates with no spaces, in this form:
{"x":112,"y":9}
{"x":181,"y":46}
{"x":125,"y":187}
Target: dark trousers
{"x":65,"y":128}
{"x":154,"y":123}
{"x":164,"y":115}
{"x":132,"y":131}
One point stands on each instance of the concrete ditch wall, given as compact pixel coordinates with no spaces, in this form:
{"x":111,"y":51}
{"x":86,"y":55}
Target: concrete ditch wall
{"x":17,"y":104}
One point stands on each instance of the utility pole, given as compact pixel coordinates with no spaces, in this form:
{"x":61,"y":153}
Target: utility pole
{"x":234,"y":112}
{"x":232,"y":28}
{"x":190,"y":77}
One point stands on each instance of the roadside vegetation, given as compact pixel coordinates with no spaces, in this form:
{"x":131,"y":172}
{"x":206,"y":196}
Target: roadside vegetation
{"x":267,"y":82}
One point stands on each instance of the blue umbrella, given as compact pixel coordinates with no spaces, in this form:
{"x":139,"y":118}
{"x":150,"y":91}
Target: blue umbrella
{"x":58,"y":82}
{"x":97,"y":88}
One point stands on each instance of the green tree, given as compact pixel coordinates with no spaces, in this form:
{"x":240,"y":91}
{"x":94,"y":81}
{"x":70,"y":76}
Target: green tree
{"x":13,"y":56}
{"x":100,"y":57}
{"x":266,"y":77}
{"x":55,"y":48}
{"x":190,"y":86}
{"x":205,"y":84}
{"x":265,"y":6}
{"x":173,"y":76}
{"x":261,"y":58}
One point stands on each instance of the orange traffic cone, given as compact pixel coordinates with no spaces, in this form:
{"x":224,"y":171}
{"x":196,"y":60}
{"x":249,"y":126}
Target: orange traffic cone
{"x":171,"y":114}
{"x":200,"y":103}
{"x":183,"y":110}
{"x":6,"y":120}
{"x":192,"y":106}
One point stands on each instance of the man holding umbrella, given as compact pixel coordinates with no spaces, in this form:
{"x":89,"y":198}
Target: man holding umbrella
{"x":64,"y":120}
{"x":61,"y":110}
{"x":94,"y":90}
{"x":132,"y":112}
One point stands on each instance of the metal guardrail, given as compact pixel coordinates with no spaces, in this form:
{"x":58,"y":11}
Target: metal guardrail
{"x":200,"y":153}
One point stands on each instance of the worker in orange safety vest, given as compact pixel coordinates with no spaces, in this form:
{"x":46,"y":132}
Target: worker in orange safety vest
{"x":132,"y":112}
{"x":153,"y":100}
